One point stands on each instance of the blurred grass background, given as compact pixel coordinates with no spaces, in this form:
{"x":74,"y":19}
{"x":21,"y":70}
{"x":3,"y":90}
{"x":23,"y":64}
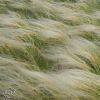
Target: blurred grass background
{"x":50,"y":49}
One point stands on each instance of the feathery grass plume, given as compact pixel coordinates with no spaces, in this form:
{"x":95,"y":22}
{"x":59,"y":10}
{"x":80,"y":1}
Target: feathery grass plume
{"x":50,"y":49}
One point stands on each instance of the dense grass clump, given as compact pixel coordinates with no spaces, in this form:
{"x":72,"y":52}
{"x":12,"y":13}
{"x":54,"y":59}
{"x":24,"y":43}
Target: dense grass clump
{"x":50,"y":49}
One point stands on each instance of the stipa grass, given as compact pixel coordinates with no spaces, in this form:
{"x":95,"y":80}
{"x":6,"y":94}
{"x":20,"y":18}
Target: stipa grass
{"x":50,"y":49}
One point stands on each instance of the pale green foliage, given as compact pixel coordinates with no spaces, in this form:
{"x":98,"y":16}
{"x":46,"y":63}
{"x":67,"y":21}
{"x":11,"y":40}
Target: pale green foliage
{"x":50,"y":49}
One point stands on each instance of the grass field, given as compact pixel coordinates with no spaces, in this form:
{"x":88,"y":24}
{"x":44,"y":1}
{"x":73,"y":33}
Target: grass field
{"x":50,"y":49}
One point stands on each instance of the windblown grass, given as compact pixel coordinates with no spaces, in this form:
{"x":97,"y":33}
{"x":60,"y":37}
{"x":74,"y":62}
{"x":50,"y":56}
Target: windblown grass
{"x":50,"y":49}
